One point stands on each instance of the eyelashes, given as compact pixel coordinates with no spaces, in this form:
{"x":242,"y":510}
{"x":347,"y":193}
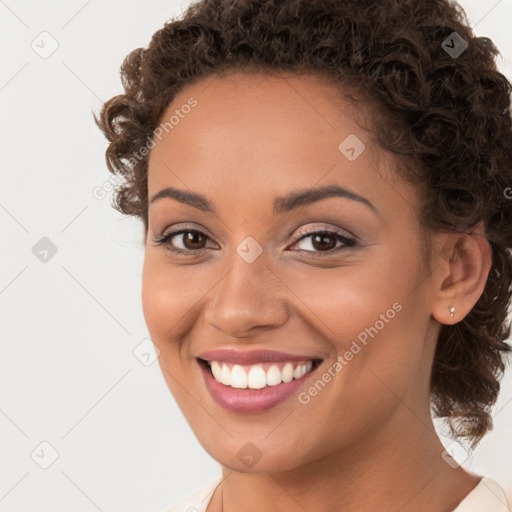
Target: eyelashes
{"x":165,"y":239}
{"x":345,"y":241}
{"x":314,"y":234}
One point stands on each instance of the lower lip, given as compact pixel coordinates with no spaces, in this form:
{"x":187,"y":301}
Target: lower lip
{"x":250,"y":400}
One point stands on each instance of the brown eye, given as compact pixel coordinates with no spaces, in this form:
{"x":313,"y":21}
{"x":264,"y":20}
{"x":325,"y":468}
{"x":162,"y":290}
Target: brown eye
{"x":323,"y":241}
{"x":193,"y":239}
{"x":190,"y":241}
{"x":186,"y":240}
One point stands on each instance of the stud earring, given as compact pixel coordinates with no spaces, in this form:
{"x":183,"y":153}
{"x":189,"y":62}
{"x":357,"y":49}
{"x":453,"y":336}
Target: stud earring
{"x":452,"y":311}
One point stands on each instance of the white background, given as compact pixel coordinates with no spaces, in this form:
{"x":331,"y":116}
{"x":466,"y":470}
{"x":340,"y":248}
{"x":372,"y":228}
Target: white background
{"x":68,"y":375}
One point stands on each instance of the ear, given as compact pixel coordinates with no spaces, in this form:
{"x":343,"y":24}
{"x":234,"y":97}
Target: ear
{"x":461,"y":272}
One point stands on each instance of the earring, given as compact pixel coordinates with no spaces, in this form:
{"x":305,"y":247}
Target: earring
{"x":452,"y":311}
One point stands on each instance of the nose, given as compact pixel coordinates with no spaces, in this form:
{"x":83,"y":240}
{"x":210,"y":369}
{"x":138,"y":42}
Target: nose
{"x":249,"y":298}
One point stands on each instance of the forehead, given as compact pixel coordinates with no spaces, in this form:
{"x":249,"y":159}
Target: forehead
{"x":285,"y":103}
{"x":259,"y":133}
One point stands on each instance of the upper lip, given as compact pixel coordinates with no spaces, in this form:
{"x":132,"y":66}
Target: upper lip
{"x":229,"y":355}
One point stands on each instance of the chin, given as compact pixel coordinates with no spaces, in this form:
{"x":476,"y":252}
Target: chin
{"x":256,"y":456}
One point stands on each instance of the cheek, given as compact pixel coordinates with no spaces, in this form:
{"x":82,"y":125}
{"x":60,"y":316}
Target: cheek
{"x":163,"y":303}
{"x":369,"y":316}
{"x":165,"y":306}
{"x":157,"y":303}
{"x":169,"y":294}
{"x":362,"y":296}
{"x":374,"y":330}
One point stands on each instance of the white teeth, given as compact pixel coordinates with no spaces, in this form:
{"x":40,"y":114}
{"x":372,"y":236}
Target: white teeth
{"x":287,"y":373}
{"x":273,"y":376}
{"x":216,"y":370}
{"x":256,"y":377}
{"x":225,"y":376}
{"x":238,"y":377}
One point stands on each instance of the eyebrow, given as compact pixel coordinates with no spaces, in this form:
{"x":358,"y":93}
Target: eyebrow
{"x":291,"y":201}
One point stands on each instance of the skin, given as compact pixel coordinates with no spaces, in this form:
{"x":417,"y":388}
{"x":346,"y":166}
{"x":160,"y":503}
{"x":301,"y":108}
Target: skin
{"x":366,"y":441}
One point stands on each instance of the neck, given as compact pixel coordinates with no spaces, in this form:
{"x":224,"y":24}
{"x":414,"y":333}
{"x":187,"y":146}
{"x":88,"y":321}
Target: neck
{"x":394,"y":470}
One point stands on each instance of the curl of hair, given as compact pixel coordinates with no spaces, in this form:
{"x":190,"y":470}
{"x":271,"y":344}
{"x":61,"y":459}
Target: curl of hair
{"x":447,"y":120}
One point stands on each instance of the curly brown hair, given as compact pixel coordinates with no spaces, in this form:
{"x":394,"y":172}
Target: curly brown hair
{"x":445,"y":116}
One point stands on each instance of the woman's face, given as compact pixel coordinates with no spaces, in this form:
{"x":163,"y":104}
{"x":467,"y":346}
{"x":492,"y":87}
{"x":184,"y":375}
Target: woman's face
{"x":252,"y":273}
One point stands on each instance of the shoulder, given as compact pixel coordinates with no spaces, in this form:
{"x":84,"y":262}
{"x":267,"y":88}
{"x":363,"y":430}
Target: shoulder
{"x":487,"y":496}
{"x":198,"y":500}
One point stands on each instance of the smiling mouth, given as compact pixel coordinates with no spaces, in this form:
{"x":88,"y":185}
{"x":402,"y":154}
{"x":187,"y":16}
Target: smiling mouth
{"x":258,"y":376}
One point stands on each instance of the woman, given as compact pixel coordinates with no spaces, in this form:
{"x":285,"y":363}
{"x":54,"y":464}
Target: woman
{"x":325,"y":192}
